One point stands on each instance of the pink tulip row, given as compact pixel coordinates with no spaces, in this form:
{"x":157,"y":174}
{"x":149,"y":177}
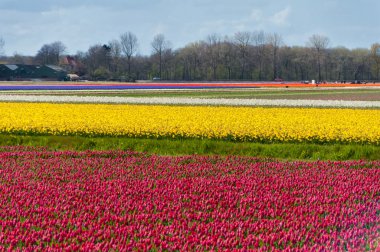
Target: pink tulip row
{"x":119,"y":200}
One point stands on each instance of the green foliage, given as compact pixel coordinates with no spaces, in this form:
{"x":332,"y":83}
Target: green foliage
{"x":101,"y":73}
{"x":287,"y":151}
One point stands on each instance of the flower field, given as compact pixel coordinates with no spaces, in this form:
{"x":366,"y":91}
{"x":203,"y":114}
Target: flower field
{"x":162,"y":85}
{"x":124,"y":200}
{"x":190,"y":101}
{"x":228,"y":123}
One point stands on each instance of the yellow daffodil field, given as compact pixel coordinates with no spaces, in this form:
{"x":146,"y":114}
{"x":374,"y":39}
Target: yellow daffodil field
{"x":256,"y":124}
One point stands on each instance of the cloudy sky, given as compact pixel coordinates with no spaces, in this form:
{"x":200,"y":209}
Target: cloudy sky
{"x":25,"y":25}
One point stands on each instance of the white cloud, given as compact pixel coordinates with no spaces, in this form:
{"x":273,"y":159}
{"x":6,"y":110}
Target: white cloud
{"x":159,"y":28}
{"x":256,"y":15}
{"x":281,"y":18}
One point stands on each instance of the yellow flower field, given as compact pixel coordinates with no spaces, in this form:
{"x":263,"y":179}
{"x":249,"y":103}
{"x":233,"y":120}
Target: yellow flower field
{"x":234,"y":123}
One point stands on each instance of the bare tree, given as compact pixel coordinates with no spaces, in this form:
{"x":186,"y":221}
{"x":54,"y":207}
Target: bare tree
{"x":341,"y":57}
{"x":359,"y":63}
{"x":97,"y":57}
{"x":159,"y":45}
{"x":44,"y":55}
{"x":115,"y":48}
{"x":50,"y":53}
{"x":129,"y":46}
{"x":242,"y":41}
{"x":259,"y":41}
{"x":319,"y":43}
{"x":228,"y":55}
{"x":213,"y":52}
{"x":192,"y":58}
{"x":115,"y":54}
{"x":274,"y":41}
{"x":375,"y":56}
{"x":58,"y":49}
{"x":301,"y":62}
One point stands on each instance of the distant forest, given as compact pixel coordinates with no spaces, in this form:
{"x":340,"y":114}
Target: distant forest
{"x":246,"y":56}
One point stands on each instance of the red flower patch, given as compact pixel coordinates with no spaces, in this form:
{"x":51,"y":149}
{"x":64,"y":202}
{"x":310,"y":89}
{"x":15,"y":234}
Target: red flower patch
{"x":118,"y":200}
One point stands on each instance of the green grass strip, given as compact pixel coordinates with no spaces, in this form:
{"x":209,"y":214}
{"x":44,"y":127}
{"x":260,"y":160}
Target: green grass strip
{"x":285,"y":151}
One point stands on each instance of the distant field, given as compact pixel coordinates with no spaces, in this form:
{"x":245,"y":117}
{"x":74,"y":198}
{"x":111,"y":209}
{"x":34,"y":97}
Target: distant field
{"x":364,"y":93}
{"x":313,"y":93}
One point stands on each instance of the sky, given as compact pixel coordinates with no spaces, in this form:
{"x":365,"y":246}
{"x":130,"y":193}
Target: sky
{"x":26,"y":25}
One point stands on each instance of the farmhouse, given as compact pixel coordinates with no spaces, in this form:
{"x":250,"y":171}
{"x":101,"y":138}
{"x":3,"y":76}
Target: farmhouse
{"x":20,"y":72}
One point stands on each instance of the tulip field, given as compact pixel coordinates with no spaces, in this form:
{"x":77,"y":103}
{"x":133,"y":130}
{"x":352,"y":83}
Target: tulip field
{"x":114,"y":198}
{"x":122,"y":200}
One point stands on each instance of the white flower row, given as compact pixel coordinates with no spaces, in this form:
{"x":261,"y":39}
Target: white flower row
{"x":191,"y":101}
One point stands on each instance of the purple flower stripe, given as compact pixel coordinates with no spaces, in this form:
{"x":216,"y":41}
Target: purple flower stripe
{"x":108,"y":87}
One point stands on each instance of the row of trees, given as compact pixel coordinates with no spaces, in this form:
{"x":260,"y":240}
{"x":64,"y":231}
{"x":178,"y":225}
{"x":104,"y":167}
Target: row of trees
{"x":245,"y":56}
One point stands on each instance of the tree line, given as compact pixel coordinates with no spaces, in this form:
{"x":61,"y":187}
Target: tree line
{"x":251,"y":56}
